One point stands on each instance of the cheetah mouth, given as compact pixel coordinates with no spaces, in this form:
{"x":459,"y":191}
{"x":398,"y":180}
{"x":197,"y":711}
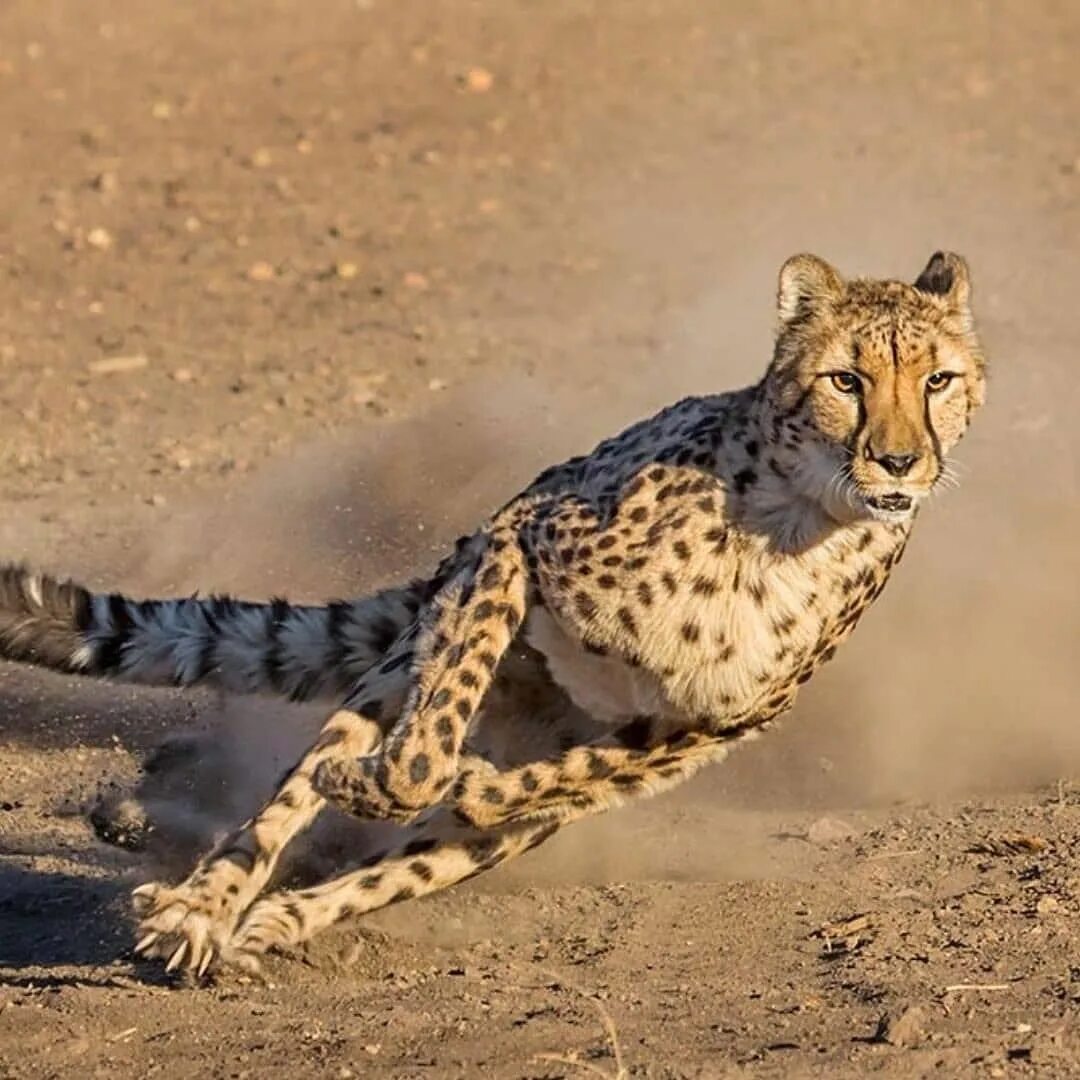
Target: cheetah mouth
{"x":895,"y":502}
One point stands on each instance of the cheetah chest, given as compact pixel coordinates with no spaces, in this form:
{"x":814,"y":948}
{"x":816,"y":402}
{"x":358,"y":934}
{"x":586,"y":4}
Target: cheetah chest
{"x":740,"y":652}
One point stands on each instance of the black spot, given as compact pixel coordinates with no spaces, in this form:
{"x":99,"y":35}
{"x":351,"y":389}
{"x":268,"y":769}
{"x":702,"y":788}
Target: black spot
{"x":599,"y":768}
{"x":402,"y":894}
{"x":704,"y":586}
{"x":444,"y":726}
{"x":484,"y":610}
{"x":744,"y":479}
{"x":691,"y":632}
{"x":638,"y":514}
{"x":529,"y":781}
{"x":669,"y":583}
{"x":492,"y":795}
{"x":440,"y":698}
{"x":681,"y":549}
{"x":419,"y":768}
{"x":606,"y":542}
{"x":626,"y":617}
{"x":644,"y":594}
{"x":586,"y":605}
{"x":421,"y":870}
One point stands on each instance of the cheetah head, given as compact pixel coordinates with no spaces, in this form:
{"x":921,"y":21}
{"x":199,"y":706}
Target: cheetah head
{"x":873,"y":383}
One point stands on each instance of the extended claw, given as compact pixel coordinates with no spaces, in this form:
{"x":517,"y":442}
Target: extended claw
{"x":177,"y":957}
{"x":147,"y":941}
{"x":142,"y":898}
{"x":204,"y":963}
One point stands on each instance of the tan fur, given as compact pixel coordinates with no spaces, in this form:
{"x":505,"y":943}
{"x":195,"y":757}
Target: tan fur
{"x":680,"y":582}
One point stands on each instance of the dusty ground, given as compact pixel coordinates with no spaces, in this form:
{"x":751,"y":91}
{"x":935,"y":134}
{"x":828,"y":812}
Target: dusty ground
{"x":359,"y":268}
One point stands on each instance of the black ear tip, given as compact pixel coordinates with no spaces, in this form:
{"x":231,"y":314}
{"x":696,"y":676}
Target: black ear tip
{"x":937,"y":278}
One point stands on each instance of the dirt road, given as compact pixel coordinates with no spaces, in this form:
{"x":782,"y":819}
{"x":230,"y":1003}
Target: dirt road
{"x":290,"y":293}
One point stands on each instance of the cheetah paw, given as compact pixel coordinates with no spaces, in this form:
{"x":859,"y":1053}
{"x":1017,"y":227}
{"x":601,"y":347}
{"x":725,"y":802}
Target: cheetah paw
{"x":270,"y":923}
{"x":188,"y":926}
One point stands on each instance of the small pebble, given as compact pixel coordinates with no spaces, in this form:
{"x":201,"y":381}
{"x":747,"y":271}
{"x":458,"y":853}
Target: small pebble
{"x":99,"y":238}
{"x":478,"y":80}
{"x":113,"y":365}
{"x":261,"y":271}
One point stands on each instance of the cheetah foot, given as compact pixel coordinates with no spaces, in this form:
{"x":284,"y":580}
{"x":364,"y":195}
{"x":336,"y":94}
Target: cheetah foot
{"x":188,"y":926}
{"x":270,"y":923}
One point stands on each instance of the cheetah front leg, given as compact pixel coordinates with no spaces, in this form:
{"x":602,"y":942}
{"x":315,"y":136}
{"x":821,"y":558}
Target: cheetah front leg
{"x":588,"y":779}
{"x":190,"y":924}
{"x":472,"y":623}
{"x":440,"y":854}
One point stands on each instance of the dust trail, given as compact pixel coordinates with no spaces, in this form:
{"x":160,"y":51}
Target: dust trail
{"x":958,"y":683}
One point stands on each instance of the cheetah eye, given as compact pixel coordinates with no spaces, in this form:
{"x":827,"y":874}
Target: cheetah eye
{"x":846,"y":382}
{"x":939,"y":380}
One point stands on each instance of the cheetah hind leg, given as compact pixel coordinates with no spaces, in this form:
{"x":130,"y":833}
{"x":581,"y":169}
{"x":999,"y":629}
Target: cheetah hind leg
{"x":474,"y":621}
{"x":190,"y":924}
{"x":440,"y":853}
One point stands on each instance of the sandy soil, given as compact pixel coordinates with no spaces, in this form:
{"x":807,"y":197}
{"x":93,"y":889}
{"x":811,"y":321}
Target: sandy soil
{"x":289,"y":293}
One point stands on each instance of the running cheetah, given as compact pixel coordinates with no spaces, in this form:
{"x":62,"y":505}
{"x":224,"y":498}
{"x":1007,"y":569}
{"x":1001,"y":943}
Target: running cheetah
{"x":678,"y":585}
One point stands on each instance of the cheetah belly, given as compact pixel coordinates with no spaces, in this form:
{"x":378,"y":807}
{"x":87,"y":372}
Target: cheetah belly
{"x":604,"y":686}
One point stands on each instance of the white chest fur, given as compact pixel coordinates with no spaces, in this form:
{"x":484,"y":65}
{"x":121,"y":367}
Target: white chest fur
{"x":726,"y":653}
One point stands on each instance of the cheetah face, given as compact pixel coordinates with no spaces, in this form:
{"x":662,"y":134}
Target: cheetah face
{"x":876,"y":381}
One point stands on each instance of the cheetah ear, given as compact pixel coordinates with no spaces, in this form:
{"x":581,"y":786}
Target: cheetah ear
{"x":946,"y":275}
{"x":806,"y":285}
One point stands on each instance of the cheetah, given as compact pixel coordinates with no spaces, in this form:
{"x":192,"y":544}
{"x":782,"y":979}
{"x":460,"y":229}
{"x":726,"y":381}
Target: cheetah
{"x":677,"y":586}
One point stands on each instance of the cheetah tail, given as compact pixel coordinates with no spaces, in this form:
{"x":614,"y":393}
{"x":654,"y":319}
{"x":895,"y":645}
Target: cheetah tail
{"x":301,"y":653}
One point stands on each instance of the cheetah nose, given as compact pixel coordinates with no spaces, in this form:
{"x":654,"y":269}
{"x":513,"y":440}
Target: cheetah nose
{"x":897,"y":464}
